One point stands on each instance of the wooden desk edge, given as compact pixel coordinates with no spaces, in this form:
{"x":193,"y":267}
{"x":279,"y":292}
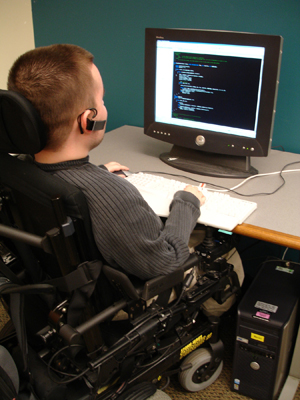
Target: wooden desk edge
{"x":283,"y":239}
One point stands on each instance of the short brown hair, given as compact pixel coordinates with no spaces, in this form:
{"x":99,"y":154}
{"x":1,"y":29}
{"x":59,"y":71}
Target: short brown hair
{"x":58,"y":81}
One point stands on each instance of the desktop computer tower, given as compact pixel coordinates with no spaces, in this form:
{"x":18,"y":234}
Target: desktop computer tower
{"x":267,"y":323}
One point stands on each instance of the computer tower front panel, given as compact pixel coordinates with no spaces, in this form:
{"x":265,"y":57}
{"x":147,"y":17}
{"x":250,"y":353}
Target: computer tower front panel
{"x":266,"y":323}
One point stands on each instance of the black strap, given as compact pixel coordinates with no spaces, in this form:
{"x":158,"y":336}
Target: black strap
{"x":83,"y":293}
{"x":18,"y":319}
{"x":86,"y":273}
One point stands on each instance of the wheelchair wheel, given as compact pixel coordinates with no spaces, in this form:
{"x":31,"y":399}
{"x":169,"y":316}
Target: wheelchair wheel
{"x":196,"y":378}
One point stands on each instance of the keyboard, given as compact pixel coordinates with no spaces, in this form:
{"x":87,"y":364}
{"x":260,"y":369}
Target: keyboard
{"x":220,"y":210}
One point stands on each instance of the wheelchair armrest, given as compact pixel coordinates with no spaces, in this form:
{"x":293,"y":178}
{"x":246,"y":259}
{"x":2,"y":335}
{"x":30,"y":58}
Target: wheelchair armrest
{"x":161,"y":283}
{"x":158,"y":285}
{"x":26,"y":237}
{"x":146,"y":290}
{"x":122,"y":282}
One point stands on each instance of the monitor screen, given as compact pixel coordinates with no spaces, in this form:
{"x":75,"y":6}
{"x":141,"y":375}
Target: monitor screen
{"x":212,"y":94}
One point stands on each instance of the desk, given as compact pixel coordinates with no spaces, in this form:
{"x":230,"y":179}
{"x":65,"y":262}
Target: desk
{"x":276,"y":219}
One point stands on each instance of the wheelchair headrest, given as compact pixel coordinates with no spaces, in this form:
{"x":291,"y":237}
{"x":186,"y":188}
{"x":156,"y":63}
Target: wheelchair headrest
{"x":21,"y":128}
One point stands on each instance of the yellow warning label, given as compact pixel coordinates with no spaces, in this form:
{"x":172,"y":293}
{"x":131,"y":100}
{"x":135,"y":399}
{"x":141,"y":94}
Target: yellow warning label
{"x":194,"y":344}
{"x":255,"y":336}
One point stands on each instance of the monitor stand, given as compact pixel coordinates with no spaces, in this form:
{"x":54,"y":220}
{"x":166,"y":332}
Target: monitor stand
{"x":210,"y":164}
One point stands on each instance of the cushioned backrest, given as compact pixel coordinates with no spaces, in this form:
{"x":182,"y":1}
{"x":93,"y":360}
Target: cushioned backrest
{"x":33,"y":191}
{"x":21,"y":128}
{"x":23,"y":132}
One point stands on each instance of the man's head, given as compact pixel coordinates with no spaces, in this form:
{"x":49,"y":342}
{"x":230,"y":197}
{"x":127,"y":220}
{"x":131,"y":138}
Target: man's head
{"x":59,"y":82}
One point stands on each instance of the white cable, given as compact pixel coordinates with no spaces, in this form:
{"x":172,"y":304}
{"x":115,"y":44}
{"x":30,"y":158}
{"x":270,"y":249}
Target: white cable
{"x":252,"y":177}
{"x":266,"y":174}
{"x":284,"y":254}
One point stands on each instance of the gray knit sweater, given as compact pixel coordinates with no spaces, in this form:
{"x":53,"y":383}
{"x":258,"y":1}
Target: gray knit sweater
{"x":127,"y":231}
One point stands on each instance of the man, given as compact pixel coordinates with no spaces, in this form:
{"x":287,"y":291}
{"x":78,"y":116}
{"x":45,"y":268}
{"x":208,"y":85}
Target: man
{"x":66,"y":88}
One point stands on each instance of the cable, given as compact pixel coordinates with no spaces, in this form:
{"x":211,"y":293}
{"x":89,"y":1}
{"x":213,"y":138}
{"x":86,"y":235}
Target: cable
{"x":268,"y":174}
{"x":74,"y":376}
{"x":233,"y":189}
{"x":284,"y":253}
{"x":156,"y":359}
{"x":168,"y":380}
{"x":186,"y":284}
{"x":262,"y":175}
{"x":272,"y":259}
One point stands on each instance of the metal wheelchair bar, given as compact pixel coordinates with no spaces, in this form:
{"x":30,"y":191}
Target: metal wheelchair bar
{"x":25,"y":237}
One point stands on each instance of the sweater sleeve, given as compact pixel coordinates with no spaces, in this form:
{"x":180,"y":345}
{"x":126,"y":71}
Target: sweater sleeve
{"x":141,"y":244}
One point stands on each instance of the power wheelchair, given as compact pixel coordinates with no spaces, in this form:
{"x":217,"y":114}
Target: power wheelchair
{"x":64,"y":299}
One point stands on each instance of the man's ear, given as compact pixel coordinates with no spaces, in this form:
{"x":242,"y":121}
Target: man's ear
{"x":83,"y":120}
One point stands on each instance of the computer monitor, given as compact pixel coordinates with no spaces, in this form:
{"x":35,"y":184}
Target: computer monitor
{"x":212,"y":94}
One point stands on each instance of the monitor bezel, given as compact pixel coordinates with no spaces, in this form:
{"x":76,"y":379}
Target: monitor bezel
{"x":215,"y":142}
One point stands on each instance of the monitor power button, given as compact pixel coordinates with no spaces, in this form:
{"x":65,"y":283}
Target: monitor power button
{"x":200,"y":140}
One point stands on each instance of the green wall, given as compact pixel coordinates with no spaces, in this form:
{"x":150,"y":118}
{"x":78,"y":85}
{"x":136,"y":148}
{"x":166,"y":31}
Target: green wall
{"x":113,"y":30}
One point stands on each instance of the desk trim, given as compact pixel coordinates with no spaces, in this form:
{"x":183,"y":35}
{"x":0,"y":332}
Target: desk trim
{"x":268,"y":235}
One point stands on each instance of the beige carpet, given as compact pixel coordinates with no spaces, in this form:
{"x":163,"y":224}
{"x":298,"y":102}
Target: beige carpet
{"x":6,"y":326}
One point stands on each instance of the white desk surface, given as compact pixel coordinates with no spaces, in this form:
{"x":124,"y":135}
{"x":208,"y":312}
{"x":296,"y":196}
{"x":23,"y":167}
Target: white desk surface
{"x":276,"y":214}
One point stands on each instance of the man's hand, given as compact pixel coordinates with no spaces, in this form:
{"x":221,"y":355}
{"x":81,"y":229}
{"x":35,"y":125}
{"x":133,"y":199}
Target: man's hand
{"x":114,"y":166}
{"x":196,"y":192}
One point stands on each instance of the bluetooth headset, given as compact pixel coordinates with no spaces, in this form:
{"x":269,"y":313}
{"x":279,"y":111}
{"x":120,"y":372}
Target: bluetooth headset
{"x":92,"y":125}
